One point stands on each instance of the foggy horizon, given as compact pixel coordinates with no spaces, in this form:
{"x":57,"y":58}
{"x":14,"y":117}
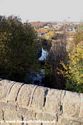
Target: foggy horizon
{"x":43,"y":10}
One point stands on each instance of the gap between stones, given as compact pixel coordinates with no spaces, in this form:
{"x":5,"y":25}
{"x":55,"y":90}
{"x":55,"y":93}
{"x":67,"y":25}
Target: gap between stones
{"x":45,"y":95}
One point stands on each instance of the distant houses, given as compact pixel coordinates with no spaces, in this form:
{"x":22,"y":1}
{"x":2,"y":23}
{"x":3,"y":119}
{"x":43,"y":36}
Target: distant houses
{"x":48,"y":29}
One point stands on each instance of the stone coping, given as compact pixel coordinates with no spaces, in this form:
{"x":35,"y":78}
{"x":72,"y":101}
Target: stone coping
{"x":26,"y":101}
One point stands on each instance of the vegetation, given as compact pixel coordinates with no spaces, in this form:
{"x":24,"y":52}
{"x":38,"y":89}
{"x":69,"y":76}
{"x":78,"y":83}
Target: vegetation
{"x":65,"y":70}
{"x":74,"y":68}
{"x":17,"y":47}
{"x":57,"y":54}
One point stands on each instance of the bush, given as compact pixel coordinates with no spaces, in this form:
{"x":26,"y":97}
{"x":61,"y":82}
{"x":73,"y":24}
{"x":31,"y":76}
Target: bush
{"x":17,"y":47}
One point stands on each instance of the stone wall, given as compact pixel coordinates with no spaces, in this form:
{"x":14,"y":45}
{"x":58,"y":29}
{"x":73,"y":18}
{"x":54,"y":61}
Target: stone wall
{"x":43,"y":106}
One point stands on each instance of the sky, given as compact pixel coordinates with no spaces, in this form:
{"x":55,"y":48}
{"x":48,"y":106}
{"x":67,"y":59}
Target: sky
{"x":43,"y":10}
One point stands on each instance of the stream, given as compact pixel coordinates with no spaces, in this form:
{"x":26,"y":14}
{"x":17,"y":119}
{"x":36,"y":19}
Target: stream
{"x":37,"y":78}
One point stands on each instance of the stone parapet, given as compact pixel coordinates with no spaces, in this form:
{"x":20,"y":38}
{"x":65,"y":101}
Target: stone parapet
{"x":35,"y":105}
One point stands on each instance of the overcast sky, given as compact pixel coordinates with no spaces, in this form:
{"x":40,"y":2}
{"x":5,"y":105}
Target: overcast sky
{"x":43,"y":10}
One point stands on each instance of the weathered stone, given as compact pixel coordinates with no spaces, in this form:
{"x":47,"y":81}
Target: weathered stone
{"x":5,"y":87}
{"x":13,"y":95}
{"x":64,"y":121}
{"x":45,"y":117}
{"x":37,"y":99}
{"x":49,"y":123}
{"x":1,"y":115}
{"x":25,"y":95}
{"x":53,"y":101}
{"x":11,"y":115}
{"x":34,"y":124}
{"x":71,"y":104}
{"x":26,"y":114}
{"x":21,"y":102}
{"x":81,"y":106}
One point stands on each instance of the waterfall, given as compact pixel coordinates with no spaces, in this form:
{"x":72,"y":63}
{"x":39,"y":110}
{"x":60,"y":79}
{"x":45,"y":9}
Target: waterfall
{"x":38,"y":77}
{"x":43,"y":56}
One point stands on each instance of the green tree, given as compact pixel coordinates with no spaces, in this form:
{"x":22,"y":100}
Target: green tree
{"x":17,"y":47}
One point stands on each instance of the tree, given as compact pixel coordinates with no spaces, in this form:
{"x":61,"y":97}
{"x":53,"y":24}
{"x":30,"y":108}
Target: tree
{"x":58,"y":54}
{"x":17,"y":47}
{"x":74,"y":67}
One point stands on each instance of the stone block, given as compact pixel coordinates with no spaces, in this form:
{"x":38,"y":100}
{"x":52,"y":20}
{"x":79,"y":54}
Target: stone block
{"x":71,"y":104}
{"x":81,"y":106}
{"x":13,"y":95}
{"x":38,"y":98}
{"x":53,"y":101}
{"x":26,"y":114}
{"x":45,"y":117}
{"x":25,"y":95}
{"x":11,"y":115}
{"x":5,"y":87}
{"x":65,"y":121}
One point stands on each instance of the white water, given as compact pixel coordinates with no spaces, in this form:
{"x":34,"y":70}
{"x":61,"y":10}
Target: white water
{"x":38,"y":77}
{"x":43,"y":55}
